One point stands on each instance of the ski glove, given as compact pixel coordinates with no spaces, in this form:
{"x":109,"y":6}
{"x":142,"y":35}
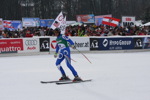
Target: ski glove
{"x":73,"y":46}
{"x":55,"y":55}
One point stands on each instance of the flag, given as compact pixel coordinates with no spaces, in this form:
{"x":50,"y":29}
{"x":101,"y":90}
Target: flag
{"x":56,"y":24}
{"x":58,"y":21}
{"x":8,"y":25}
{"x":63,"y":26}
{"x":110,"y":21}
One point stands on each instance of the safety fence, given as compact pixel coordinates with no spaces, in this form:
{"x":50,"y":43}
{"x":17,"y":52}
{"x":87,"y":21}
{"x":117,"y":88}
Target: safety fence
{"x":47,"y":44}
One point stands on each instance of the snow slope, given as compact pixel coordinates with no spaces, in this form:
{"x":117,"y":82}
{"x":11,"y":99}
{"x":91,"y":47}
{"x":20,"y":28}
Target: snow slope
{"x":116,"y":76}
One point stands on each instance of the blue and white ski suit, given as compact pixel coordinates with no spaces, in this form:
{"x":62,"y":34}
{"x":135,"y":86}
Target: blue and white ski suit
{"x":63,"y":50}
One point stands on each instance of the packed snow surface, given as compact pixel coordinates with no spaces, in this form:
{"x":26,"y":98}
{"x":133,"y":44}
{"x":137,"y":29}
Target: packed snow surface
{"x":115,"y":76}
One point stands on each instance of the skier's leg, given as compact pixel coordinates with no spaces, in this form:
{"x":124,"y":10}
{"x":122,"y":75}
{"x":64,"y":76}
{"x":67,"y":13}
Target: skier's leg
{"x":58,"y":64}
{"x":68,"y":62}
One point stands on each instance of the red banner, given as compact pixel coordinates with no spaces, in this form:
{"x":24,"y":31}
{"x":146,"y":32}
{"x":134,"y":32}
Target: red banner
{"x":11,"y":45}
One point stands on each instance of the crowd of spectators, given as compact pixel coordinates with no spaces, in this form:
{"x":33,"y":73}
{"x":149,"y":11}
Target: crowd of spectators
{"x":83,"y":30}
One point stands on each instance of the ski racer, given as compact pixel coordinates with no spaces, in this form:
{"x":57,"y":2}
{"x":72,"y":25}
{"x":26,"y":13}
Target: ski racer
{"x":63,"y":52}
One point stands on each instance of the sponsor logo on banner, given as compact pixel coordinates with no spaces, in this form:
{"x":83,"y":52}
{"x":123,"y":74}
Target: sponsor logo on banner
{"x":44,"y":44}
{"x":138,"y":43}
{"x":80,"y":45}
{"x":116,"y":43}
{"x":105,"y":42}
{"x":53,"y":44}
{"x":31,"y":44}
{"x":11,"y":45}
{"x":94,"y":44}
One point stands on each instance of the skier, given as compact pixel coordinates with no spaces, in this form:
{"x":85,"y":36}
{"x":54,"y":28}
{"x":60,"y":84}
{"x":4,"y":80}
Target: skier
{"x":63,"y":52}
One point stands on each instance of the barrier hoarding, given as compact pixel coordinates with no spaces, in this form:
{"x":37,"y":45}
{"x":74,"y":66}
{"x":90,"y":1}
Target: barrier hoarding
{"x":81,"y":43}
{"x":53,"y":43}
{"x":94,"y":44}
{"x":11,"y":45}
{"x":116,"y":43}
{"x":44,"y":44}
{"x":30,"y":45}
{"x":111,"y":43}
{"x":138,"y":43}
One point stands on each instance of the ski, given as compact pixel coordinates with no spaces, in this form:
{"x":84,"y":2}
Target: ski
{"x":45,"y":82}
{"x":71,"y":82}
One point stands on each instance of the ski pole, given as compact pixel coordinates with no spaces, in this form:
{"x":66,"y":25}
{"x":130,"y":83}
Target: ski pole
{"x":69,"y":58}
{"x":83,"y":55}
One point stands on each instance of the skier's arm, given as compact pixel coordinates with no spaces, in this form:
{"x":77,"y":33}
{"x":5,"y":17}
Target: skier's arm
{"x":57,"y":48}
{"x":70,"y":41}
{"x":72,"y":44}
{"x":56,"y":52}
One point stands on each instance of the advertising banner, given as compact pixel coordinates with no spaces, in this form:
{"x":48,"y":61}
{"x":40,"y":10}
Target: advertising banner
{"x":128,"y":21}
{"x":85,"y":18}
{"x":44,"y":44}
{"x":146,"y":43}
{"x":53,"y":44}
{"x":17,"y":24}
{"x":94,"y":44}
{"x":46,"y":22}
{"x":11,"y":45}
{"x":30,"y":45}
{"x":116,"y":43}
{"x":81,"y":43}
{"x":30,"y":22}
{"x":138,"y":43}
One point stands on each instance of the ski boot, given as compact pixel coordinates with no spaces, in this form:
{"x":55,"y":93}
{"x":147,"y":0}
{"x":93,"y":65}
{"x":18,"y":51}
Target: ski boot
{"x":77,"y":78}
{"x":64,"y":78}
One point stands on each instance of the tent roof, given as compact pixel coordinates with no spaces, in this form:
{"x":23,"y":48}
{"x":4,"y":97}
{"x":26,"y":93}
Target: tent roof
{"x":147,"y":24}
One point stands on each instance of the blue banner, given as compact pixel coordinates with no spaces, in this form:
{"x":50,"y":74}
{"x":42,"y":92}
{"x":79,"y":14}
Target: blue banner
{"x":31,"y":22}
{"x":16,"y":25}
{"x":116,"y":43}
{"x":46,"y":22}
